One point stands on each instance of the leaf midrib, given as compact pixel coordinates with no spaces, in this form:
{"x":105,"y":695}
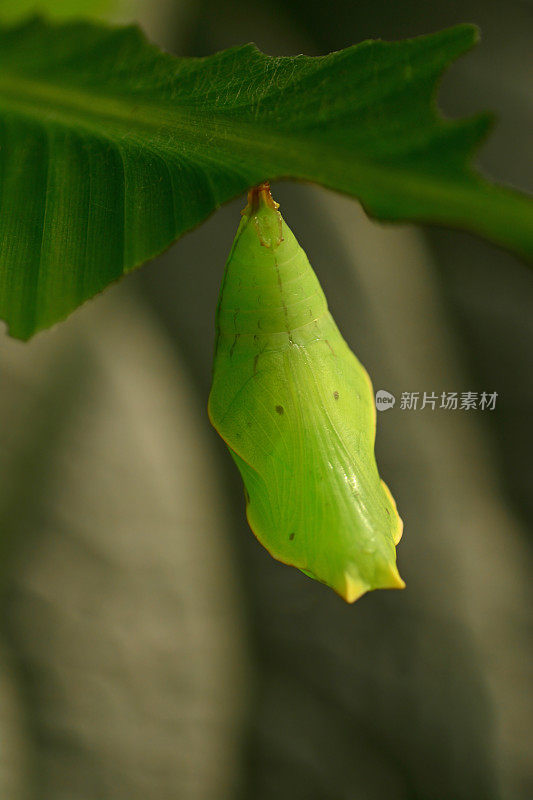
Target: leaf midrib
{"x":74,"y":107}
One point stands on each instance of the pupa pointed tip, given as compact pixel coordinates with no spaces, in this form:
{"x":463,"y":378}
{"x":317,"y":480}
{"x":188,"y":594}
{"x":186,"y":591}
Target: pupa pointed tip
{"x":354,"y":588}
{"x":394,"y":580}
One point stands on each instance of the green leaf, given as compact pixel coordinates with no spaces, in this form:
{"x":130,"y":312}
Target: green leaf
{"x":14,"y":10}
{"x":110,"y":149}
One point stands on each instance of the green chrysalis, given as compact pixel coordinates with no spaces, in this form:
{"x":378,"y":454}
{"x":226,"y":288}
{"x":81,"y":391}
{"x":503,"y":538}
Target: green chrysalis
{"x":296,"y":409}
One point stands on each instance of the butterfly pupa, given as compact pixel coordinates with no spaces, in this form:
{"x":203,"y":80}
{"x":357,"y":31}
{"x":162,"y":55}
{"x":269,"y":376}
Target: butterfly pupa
{"x":296,"y":410}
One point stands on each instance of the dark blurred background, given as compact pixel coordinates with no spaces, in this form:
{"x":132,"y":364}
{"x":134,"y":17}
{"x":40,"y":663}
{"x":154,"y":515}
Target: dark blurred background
{"x":150,"y":648}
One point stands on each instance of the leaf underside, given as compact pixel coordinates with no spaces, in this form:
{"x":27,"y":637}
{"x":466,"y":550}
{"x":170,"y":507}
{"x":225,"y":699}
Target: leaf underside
{"x":110,"y":149}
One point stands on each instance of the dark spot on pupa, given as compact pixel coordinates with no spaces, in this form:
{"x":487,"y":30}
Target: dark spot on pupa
{"x":336,"y":395}
{"x":246,"y":496}
{"x":280,"y":409}
{"x":387,"y":510}
{"x":291,"y":536}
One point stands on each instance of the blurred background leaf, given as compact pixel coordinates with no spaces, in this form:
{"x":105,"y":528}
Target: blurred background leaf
{"x":111,"y":149}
